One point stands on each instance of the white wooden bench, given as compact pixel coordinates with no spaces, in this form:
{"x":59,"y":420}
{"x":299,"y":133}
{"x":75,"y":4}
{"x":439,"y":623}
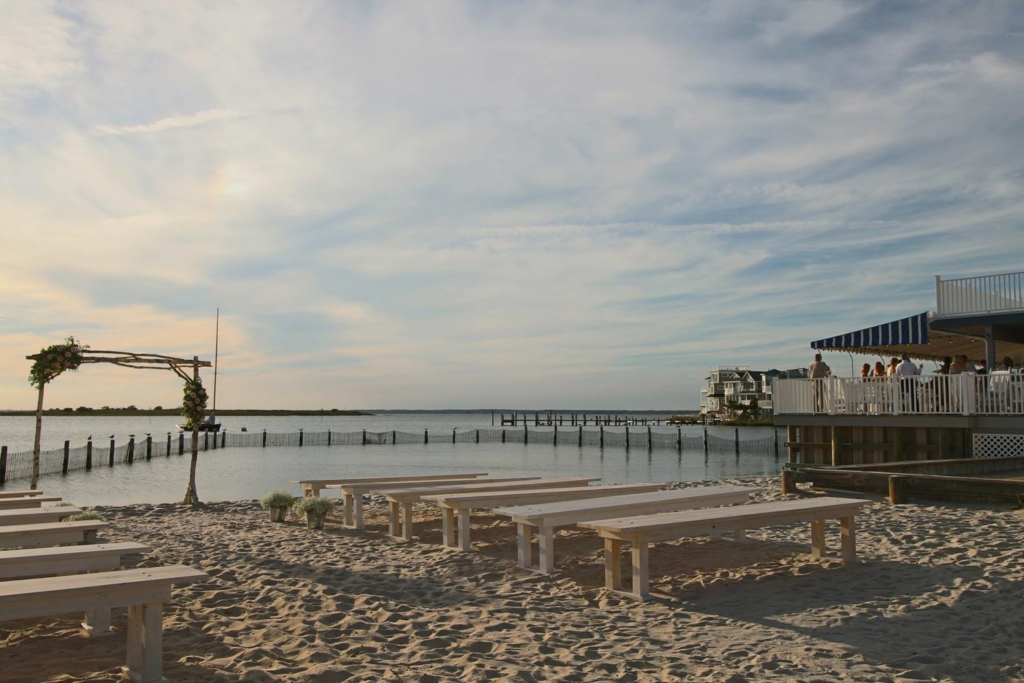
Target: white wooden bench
{"x":402,"y":500}
{"x":312,"y":487}
{"x":54,"y":533}
{"x":20,"y":494}
{"x":640,"y":531}
{"x":72,"y":559}
{"x":15,"y":503}
{"x":460,"y":504}
{"x":353,"y":491}
{"x":142,"y":591}
{"x":545,"y":517}
{"x":40,"y":516}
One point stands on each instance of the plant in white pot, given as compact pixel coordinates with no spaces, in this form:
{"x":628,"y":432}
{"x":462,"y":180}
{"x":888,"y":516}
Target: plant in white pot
{"x":315,"y":509}
{"x":278,"y":503}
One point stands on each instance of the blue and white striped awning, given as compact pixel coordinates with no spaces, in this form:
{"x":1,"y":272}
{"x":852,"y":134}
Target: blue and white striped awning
{"x":902,"y":332}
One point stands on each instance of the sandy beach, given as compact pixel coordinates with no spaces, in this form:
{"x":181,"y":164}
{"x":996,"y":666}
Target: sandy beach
{"x":936,"y":595}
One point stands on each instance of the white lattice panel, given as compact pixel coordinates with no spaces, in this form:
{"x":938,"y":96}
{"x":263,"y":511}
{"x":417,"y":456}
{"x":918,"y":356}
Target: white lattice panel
{"x":998,"y":445}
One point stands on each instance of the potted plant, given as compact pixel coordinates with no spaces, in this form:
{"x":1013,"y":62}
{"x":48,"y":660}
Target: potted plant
{"x":278,"y":503}
{"x":316,"y":510}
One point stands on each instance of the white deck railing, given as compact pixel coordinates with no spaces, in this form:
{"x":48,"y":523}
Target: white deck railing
{"x":984,"y":294}
{"x":995,"y":394}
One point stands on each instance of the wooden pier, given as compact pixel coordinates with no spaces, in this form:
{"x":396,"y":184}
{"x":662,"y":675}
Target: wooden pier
{"x":573,"y":420}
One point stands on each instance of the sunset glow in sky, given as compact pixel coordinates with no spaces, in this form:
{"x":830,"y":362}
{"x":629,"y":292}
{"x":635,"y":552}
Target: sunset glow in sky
{"x":469,"y":204}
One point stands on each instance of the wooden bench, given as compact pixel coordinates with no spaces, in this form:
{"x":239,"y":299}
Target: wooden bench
{"x":15,"y":503}
{"x":402,"y":500}
{"x":73,"y":559}
{"x":312,"y":487}
{"x":640,"y":531}
{"x":142,"y":591}
{"x":41,"y":516}
{"x":20,"y":494}
{"x":460,"y":504}
{"x":353,"y":491}
{"x":56,"y":533}
{"x":545,"y":517}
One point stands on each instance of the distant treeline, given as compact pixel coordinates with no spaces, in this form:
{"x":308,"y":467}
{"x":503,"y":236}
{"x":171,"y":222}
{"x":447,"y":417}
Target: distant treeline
{"x":131,"y":411}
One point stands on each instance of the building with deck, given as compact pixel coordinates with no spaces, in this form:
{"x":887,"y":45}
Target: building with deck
{"x":853,"y":421}
{"x":731,"y":389}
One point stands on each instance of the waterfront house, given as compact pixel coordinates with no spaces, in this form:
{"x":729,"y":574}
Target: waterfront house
{"x":732,"y":390}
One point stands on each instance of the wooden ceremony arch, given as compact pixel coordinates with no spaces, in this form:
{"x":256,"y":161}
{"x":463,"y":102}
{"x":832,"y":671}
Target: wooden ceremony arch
{"x":137,"y":361}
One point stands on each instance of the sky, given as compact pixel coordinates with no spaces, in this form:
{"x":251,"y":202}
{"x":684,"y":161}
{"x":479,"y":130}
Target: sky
{"x":475,"y":204}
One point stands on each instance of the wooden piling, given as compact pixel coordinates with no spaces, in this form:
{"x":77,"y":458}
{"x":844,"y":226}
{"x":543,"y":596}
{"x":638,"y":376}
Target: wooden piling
{"x":88,"y":455}
{"x":111,"y":464}
{"x":3,"y":464}
{"x":131,"y":449}
{"x":899,"y":486}
{"x":168,"y":454}
{"x":300,"y":438}
{"x":67,"y":456}
{"x":149,"y":446}
{"x":789,"y":481}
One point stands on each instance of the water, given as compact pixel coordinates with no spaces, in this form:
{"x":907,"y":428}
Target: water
{"x":246,"y":473}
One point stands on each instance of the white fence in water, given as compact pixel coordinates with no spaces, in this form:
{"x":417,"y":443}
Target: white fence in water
{"x":999,"y":393}
{"x":97,"y":454}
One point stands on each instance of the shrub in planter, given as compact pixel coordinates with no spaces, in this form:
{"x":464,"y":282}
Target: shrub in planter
{"x":86,"y":516}
{"x":315,"y":509}
{"x":278,"y":503}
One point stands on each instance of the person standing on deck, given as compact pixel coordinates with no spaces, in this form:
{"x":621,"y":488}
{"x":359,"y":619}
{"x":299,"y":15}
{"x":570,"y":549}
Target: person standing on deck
{"x":906,"y":371}
{"x":818,"y":370}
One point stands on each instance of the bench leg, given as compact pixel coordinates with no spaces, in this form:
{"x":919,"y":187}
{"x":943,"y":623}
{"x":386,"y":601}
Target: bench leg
{"x":393,"y":519}
{"x":613,"y":564}
{"x":641,"y":570}
{"x":357,"y":511}
{"x":525,"y":533}
{"x":89,"y":537}
{"x":464,"y":528}
{"x":97,"y":623}
{"x":145,"y":643}
{"x":407,"y":521}
{"x":818,"y":539}
{"x":448,"y":527}
{"x":848,"y":532}
{"x":547,"y":549}
{"x":348,"y":509}
{"x":739,"y":536}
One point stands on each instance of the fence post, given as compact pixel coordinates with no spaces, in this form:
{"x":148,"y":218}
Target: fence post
{"x":776,"y":433}
{"x":149,"y":446}
{"x":111,"y":463}
{"x":580,"y":445}
{"x":453,"y":434}
{"x":478,"y":436}
{"x":627,"y":438}
{"x":503,"y":435}
{"x":555,"y":440}
{"x":602,"y":435}
{"x":181,"y":443}
{"x":364,"y":437}
{"x":737,"y":439}
{"x":168,"y":444}
{"x":88,"y":455}
{"x":526,"y":434}
{"x":206,"y":441}
{"x":679,"y":439}
{"x":705,"y":439}
{"x":3,"y":464}
{"x":300,"y":438}
{"x":223,"y":438}
{"x":264,"y":437}
{"x":650,"y":444}
{"x":206,"y":437}
{"x":426,"y":436}
{"x":393,"y":441}
{"x":328,"y":437}
{"x":67,"y":455}
{"x":131,"y":448}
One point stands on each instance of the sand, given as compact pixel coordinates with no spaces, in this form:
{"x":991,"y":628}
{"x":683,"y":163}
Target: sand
{"x":937,"y":594}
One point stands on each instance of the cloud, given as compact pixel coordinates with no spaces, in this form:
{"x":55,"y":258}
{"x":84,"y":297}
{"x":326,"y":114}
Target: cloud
{"x":461,"y":205}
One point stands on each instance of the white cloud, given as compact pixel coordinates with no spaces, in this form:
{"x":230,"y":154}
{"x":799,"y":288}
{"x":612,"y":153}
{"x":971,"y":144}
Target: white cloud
{"x":174,"y":122}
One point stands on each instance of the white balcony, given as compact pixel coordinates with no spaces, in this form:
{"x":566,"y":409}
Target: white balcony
{"x":995,"y":394}
{"x":986,"y":294}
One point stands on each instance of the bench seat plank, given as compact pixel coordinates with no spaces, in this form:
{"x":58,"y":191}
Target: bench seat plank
{"x":312,"y":487}
{"x":16,"y":502}
{"x":352,"y":491}
{"x":546,"y":516}
{"x":55,"y":533}
{"x":20,"y":493}
{"x":402,"y":499}
{"x":18,"y":564}
{"x":459,"y":504}
{"x":640,"y":531}
{"x":40,"y":516}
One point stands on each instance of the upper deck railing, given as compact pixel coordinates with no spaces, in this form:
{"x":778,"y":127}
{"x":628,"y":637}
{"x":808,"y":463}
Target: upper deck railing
{"x":999,"y":393}
{"x":984,"y":294}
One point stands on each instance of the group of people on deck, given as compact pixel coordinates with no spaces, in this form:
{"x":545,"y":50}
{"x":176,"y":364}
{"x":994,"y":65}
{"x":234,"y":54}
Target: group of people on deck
{"x":951,"y":365}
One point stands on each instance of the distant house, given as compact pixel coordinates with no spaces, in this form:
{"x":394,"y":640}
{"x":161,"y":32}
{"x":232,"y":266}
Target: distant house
{"x":730,"y":390}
